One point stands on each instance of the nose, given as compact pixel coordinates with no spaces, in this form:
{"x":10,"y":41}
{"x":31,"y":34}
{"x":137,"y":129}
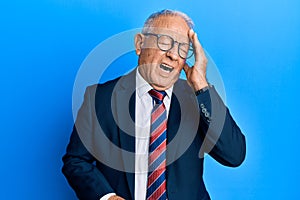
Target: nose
{"x":173,"y":52}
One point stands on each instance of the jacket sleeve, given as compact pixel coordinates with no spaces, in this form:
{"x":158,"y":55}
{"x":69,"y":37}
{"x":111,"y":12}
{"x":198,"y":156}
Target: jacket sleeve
{"x":78,"y":163}
{"x":222,"y":138}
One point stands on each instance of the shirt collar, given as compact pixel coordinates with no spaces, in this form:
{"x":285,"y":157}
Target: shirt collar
{"x":142,"y":86}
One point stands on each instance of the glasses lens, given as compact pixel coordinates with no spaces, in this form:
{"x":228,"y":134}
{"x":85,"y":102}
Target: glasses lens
{"x":185,"y":50}
{"x":165,"y":42}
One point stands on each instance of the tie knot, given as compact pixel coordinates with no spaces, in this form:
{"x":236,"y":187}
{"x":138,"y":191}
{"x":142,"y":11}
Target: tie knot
{"x":157,"y":96}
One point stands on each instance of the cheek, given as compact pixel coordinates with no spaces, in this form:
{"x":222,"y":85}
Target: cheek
{"x":180,"y":66}
{"x":151,"y":56}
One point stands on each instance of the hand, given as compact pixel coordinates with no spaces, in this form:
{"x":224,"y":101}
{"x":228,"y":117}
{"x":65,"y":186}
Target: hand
{"x":196,"y":75}
{"x":115,"y":197}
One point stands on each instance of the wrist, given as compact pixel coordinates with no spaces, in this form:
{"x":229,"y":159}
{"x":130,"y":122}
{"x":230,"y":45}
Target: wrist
{"x":202,"y":90}
{"x":199,"y":86}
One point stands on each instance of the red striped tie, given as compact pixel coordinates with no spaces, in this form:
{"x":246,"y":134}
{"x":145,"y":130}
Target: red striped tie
{"x":156,"y":186}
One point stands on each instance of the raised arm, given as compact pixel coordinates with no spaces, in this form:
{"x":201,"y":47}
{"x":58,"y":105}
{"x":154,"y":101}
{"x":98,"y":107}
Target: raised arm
{"x":223,"y":139}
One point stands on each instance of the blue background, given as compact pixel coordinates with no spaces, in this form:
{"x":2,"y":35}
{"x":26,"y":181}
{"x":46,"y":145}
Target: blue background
{"x":255,"y":44}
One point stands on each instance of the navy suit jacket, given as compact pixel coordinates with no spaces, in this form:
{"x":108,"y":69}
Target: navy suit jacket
{"x":100,"y":155}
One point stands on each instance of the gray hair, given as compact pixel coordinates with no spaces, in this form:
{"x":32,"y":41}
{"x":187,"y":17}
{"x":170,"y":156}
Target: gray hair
{"x":167,"y":12}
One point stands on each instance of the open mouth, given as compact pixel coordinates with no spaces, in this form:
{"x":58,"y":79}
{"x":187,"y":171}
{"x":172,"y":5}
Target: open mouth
{"x":166,"y":67}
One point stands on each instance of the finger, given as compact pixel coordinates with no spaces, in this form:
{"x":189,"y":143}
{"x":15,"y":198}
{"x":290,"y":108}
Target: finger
{"x":198,"y":49}
{"x":186,"y":68}
{"x":191,"y":34}
{"x":116,"y":197}
{"x":194,"y":38}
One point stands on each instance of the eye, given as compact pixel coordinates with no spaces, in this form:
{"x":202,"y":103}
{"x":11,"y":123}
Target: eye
{"x":165,"y":42}
{"x":185,"y":50}
{"x":184,"y":47}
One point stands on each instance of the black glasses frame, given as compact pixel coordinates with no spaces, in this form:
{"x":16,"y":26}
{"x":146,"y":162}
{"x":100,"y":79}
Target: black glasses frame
{"x":158,"y":36}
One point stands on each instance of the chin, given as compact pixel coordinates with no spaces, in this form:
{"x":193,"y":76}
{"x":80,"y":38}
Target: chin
{"x":163,"y":83}
{"x":163,"y":86}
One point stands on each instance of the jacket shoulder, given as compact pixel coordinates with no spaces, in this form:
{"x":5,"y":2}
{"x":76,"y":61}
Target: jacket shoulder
{"x":106,"y":85}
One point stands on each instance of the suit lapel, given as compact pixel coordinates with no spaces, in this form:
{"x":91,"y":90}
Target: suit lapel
{"x":173,"y":119}
{"x":125,"y":111}
{"x":182,"y":115}
{"x":181,"y":130}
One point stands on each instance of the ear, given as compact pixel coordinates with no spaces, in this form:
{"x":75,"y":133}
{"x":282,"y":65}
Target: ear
{"x":138,"y":42}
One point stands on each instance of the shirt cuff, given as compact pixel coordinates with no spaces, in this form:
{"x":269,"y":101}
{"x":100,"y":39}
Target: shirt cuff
{"x":107,"y":196}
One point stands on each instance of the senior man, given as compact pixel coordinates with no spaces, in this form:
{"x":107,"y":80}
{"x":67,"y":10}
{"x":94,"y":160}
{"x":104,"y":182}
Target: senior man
{"x":175,"y":122}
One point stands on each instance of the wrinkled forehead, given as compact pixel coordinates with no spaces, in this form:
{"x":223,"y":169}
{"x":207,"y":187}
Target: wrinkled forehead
{"x":174,"y":26}
{"x":176,"y":35}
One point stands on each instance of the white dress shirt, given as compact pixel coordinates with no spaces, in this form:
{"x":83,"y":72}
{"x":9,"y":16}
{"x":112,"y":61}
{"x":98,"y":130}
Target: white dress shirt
{"x":143,"y":108}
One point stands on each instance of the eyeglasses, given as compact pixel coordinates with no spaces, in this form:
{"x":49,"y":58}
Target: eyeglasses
{"x":166,"y":43}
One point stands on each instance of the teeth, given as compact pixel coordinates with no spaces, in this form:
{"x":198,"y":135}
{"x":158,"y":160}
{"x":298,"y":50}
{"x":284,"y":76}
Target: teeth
{"x":166,"y":67}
